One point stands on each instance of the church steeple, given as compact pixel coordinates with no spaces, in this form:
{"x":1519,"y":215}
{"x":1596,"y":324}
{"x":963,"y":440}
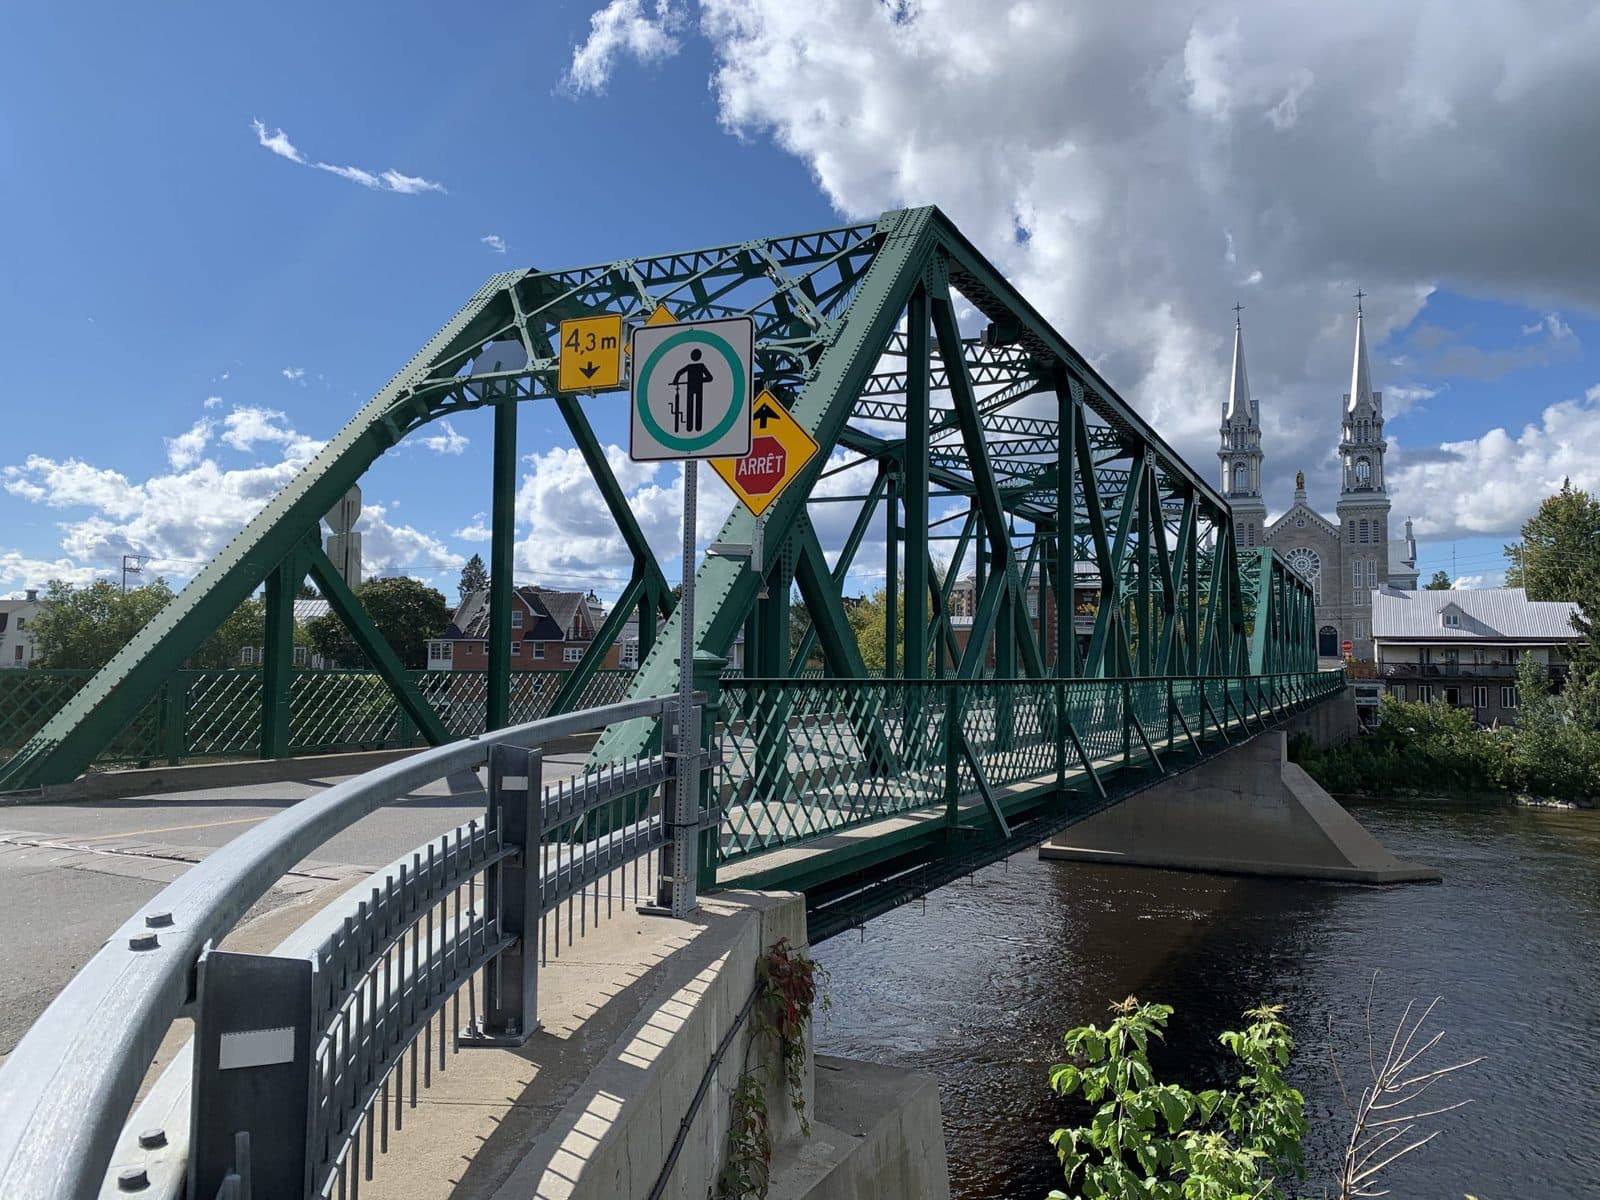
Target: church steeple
{"x":1239,"y":406}
{"x":1360,"y":397}
{"x":1240,"y":452}
{"x":1361,"y":447}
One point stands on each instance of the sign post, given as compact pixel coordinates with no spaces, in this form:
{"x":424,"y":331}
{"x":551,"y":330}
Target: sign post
{"x":690,"y":400}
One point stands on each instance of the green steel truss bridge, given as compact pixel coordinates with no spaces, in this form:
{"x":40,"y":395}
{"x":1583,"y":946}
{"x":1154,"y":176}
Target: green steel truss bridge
{"x":988,"y":440}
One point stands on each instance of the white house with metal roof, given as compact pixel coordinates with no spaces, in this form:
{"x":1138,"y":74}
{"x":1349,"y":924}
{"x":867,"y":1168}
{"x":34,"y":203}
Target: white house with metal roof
{"x":1463,"y":647}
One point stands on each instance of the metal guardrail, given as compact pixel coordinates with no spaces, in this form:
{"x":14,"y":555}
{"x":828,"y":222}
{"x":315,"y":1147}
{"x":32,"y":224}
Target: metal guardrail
{"x":303,"y":1059}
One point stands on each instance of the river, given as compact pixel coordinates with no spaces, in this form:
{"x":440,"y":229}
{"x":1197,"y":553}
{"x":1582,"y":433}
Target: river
{"x":977,"y":986}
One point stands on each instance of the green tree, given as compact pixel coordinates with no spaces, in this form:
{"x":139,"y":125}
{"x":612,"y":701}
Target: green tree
{"x":85,"y":626}
{"x":474,"y":577}
{"x":1558,"y":557}
{"x":1439,"y":583}
{"x":407,"y":612}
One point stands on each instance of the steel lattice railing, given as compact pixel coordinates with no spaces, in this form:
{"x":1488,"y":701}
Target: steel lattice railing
{"x":216,"y":714}
{"x":808,"y":756}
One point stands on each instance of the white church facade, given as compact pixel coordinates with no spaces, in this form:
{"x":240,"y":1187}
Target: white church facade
{"x":1345,"y":557}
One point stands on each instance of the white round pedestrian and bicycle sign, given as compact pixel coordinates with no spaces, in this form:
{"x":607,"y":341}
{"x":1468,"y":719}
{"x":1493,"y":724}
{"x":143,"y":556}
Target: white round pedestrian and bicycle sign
{"x":691,"y":390}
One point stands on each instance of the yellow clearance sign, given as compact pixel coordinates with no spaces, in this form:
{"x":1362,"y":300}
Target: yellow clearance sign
{"x":591,"y":354}
{"x":779,"y":449}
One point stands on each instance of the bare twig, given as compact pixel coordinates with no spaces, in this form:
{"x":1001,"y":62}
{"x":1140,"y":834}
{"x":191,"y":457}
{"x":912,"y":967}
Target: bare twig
{"x":1386,"y":1113}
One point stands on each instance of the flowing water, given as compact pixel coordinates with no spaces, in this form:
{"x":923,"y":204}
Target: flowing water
{"x":977,"y":985}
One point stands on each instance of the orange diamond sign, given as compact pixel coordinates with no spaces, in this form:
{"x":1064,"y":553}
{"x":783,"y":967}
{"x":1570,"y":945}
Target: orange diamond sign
{"x":779,"y":450}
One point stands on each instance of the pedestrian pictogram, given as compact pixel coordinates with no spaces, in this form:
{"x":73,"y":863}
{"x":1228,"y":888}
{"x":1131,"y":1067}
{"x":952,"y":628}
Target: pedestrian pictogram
{"x":779,"y":450}
{"x":691,"y":390}
{"x":591,"y":354}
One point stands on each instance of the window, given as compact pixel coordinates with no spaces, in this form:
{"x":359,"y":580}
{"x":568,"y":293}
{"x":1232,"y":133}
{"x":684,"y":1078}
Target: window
{"x":516,"y":649}
{"x":572,"y":654}
{"x":4,"y":617}
{"x":1364,"y":530}
{"x":1033,"y":604}
{"x":516,"y":618}
{"x":1250,"y":534}
{"x":538,"y":649}
{"x":1363,"y":473}
{"x":1452,"y":657}
{"x":1480,"y":696}
{"x":21,"y":621}
{"x":1425,"y":693}
{"x":1299,"y":522}
{"x":1239,"y":477}
{"x":629,"y":655}
{"x":1350,"y":531}
{"x":18,"y":657}
{"x":1355,"y":596}
{"x":1508,"y":697}
{"x":1372,"y":573}
{"x":301,"y":656}
{"x":1451,"y":620}
{"x":247,"y":656}
{"x":1452,"y":696}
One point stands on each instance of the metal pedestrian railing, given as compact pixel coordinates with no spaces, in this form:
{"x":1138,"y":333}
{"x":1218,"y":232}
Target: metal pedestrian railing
{"x":305,"y":1061}
{"x":804,"y":757}
{"x":216,"y":713}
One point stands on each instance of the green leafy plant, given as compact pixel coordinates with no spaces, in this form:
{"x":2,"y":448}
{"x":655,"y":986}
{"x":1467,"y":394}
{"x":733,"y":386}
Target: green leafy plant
{"x":748,"y":1169}
{"x":1149,"y":1140}
{"x":789,"y":991}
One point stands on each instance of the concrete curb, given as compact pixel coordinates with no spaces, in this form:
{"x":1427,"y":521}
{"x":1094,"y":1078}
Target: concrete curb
{"x":116,"y":785}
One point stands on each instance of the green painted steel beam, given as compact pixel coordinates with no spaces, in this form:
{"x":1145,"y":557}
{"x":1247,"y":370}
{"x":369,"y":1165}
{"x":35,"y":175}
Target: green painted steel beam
{"x":367,"y":637}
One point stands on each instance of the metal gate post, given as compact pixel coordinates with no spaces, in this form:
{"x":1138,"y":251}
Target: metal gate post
{"x":512,"y":890}
{"x":252,"y":1074}
{"x":708,"y":669}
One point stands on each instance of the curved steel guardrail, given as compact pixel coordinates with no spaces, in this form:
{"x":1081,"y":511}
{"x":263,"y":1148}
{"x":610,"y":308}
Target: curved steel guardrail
{"x":379,"y":967}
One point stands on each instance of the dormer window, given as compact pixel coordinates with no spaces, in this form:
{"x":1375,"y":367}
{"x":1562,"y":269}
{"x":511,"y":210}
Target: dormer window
{"x":1450,"y":620}
{"x":516,"y":618}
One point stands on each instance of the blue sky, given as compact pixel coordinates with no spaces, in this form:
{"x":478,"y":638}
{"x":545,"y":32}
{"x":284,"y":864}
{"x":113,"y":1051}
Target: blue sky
{"x":189,"y":311}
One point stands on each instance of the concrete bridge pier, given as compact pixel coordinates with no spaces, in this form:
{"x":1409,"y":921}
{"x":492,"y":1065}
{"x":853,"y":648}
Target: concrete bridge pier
{"x":1248,"y":811}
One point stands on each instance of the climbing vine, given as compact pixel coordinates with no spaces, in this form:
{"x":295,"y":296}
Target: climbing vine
{"x":787,"y":991}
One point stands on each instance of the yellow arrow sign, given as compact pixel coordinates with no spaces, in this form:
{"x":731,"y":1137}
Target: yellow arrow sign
{"x":591,"y":354}
{"x":779,"y":450}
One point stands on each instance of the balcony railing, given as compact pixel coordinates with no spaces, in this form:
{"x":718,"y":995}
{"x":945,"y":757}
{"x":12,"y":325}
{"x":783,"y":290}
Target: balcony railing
{"x":1459,"y":670}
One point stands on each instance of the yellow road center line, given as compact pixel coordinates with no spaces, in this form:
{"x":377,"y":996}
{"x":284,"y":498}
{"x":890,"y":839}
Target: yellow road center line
{"x":106,"y":837}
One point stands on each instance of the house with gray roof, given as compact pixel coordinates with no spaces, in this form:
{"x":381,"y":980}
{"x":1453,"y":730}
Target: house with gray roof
{"x":1463,"y":647}
{"x":550,"y":631}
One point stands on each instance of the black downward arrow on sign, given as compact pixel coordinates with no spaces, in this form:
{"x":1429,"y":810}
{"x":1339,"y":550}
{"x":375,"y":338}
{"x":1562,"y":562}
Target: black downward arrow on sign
{"x":763,"y":415}
{"x":587,"y":370}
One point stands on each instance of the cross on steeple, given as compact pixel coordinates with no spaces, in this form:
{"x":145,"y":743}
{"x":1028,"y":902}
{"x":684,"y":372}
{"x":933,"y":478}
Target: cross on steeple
{"x":1237,"y":309}
{"x":1359,"y":295}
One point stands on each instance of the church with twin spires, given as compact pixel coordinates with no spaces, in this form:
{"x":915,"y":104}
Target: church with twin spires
{"x":1345,"y":557}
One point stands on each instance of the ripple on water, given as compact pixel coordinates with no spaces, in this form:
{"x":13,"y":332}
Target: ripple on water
{"x":978,"y":988}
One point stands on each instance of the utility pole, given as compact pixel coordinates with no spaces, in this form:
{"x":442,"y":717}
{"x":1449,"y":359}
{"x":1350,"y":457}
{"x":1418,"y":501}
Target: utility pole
{"x":132,"y":564}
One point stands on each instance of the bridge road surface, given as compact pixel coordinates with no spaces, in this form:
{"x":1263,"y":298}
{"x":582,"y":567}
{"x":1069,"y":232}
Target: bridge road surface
{"x":71,"y":874}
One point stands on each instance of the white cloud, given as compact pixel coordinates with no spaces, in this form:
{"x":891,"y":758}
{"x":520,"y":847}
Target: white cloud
{"x":475,"y":530}
{"x":379,"y":181}
{"x":1379,"y":142}
{"x":293,"y":374}
{"x":21,"y":572}
{"x":1488,"y":579}
{"x":623,"y":28}
{"x":184,"y":517}
{"x":214,"y":401}
{"x":446,"y":441}
{"x":1552,"y":324}
{"x":185,"y":450}
{"x":495,"y":242}
{"x":1492,"y":484}
{"x":248,"y":427}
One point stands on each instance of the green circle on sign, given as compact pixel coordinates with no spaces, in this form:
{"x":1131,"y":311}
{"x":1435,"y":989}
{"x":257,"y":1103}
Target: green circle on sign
{"x":736,"y":369}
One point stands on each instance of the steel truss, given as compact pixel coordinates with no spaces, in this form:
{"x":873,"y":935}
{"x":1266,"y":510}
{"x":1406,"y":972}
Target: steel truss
{"x":1041,"y":473}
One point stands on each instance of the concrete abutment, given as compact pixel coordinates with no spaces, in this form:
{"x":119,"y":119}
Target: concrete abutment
{"x":1247,"y":811}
